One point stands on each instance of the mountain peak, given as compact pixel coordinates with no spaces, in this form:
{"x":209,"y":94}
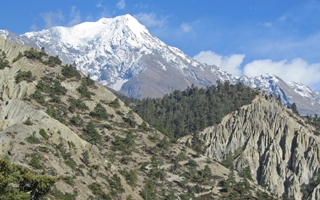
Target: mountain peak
{"x":86,"y":33}
{"x":124,"y":21}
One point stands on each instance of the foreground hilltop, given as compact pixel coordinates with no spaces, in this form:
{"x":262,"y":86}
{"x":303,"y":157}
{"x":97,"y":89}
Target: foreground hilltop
{"x":280,"y":148}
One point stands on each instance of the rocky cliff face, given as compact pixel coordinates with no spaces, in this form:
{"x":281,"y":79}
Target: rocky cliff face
{"x":280,"y":149}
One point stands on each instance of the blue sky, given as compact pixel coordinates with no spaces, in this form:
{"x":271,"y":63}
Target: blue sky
{"x":244,"y":37}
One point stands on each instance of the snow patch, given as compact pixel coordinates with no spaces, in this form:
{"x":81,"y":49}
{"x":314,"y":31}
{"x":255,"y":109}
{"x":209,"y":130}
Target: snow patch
{"x":118,"y":85}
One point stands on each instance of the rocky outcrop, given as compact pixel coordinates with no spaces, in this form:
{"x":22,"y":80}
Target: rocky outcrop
{"x":280,"y":149}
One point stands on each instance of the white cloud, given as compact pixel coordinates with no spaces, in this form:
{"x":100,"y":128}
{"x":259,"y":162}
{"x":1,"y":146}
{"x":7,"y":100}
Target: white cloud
{"x":141,"y":5}
{"x":150,"y":20}
{"x":33,"y":27}
{"x":297,"y":70}
{"x":231,"y":64}
{"x":75,"y":17}
{"x":52,"y":18}
{"x":121,"y":4}
{"x":265,"y":24}
{"x":99,"y":5}
{"x":186,"y":27}
{"x":57,"y":18}
{"x":282,"y":18}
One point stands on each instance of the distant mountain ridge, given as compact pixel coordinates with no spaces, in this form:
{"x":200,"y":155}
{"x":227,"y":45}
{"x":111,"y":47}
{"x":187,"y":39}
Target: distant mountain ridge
{"x":121,"y":53}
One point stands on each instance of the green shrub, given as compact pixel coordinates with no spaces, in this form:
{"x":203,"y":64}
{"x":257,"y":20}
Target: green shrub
{"x":72,"y":145}
{"x":33,"y":139}
{"x":38,"y":96}
{"x":58,"y":89}
{"x":35,"y":162}
{"x":99,"y":112}
{"x":149,"y":191}
{"x":63,"y":196}
{"x":32,"y":54}
{"x":246,"y":173}
{"x":28,"y":122}
{"x":129,"y":197}
{"x":144,"y":126}
{"x":76,"y":120}
{"x":69,"y":180}
{"x":84,"y":91}
{"x":3,"y":60}
{"x":96,"y":189}
{"x":91,"y":133}
{"x":111,"y":156}
{"x":52,"y":112}
{"x":53,"y":61}
{"x":107,"y":126}
{"x":130,"y":119}
{"x":55,"y":99}
{"x":115,"y":185}
{"x":115,"y":104}
{"x":42,"y":86}
{"x":20,"y":55}
{"x":71,"y":163}
{"x":89,"y":82}
{"x":164,"y":143}
{"x":131,"y":176}
{"x":43,"y":133}
{"x":228,"y":161}
{"x":24,"y":76}
{"x":69,"y":71}
{"x":43,"y":149}
{"x":85,"y":158}
{"x":121,"y":144}
{"x":56,"y":114}
{"x":77,"y":104}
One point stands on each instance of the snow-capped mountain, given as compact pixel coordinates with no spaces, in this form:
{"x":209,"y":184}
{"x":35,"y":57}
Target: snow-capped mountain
{"x":121,"y":53}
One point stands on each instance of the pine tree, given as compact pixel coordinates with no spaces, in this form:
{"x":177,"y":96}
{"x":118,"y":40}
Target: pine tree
{"x":294,"y":108}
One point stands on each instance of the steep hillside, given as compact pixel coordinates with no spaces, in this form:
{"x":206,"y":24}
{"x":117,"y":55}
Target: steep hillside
{"x":280,"y":149}
{"x":59,"y":123}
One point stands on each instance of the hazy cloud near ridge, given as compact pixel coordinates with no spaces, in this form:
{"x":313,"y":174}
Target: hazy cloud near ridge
{"x":231,"y":64}
{"x":297,"y":70}
{"x":52,"y":18}
{"x":186,"y":27}
{"x":75,"y":17}
{"x":57,"y":18}
{"x":121,"y":4}
{"x":150,"y":20}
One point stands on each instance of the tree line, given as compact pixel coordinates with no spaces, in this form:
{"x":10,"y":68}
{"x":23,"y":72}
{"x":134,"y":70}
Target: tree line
{"x":184,"y":112}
